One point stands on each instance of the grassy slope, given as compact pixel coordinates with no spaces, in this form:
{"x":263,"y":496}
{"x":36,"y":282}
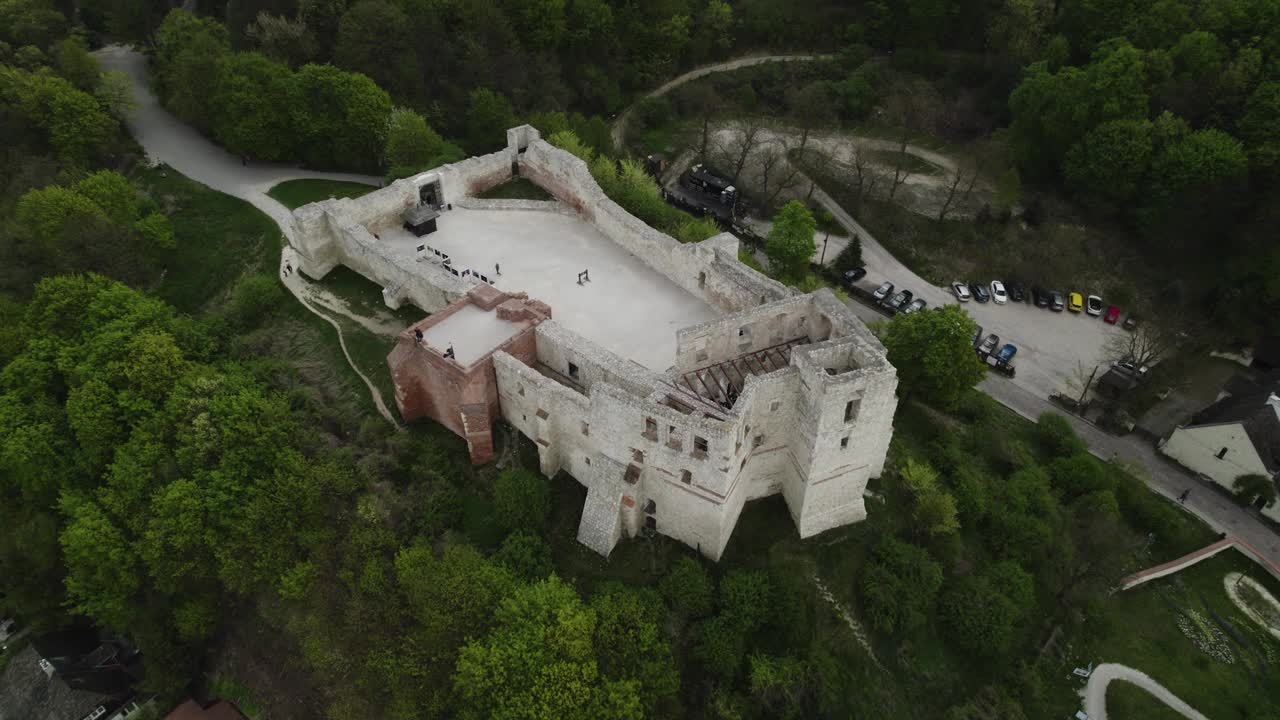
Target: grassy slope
{"x":1141,"y":631}
{"x":924,"y":674}
{"x":1126,"y":701}
{"x":220,"y":240}
{"x":296,"y":193}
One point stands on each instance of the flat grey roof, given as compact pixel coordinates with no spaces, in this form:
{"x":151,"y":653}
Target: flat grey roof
{"x":473,"y":332}
{"x":628,"y":308}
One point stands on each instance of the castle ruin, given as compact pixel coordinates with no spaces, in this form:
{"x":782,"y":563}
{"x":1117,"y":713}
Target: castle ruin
{"x":671,"y":380}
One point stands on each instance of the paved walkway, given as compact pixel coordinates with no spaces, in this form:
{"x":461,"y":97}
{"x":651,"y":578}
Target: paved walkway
{"x":1095,"y":692}
{"x":620,"y":123}
{"x":170,"y":141}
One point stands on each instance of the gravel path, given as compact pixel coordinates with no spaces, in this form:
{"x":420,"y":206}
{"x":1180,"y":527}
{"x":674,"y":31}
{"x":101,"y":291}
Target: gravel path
{"x":168,"y":140}
{"x":1095,"y":692}
{"x":620,"y":123}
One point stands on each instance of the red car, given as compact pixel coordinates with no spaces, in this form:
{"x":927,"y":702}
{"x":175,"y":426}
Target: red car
{"x":1113,"y":314}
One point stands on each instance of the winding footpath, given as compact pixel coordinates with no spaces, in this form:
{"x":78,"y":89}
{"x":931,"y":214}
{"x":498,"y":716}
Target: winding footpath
{"x":170,"y":141}
{"x":1095,"y":692}
{"x":620,"y":123}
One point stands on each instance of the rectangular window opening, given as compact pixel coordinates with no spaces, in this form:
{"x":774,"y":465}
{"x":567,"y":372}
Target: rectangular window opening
{"x":844,"y":443}
{"x":686,"y":477}
{"x":573,"y":371}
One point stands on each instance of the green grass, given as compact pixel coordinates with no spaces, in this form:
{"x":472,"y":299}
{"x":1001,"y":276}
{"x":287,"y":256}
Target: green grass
{"x":226,"y":688}
{"x":369,"y":352}
{"x":219,"y":239}
{"x":913,"y":164}
{"x":1141,"y":630}
{"x":363,"y":296}
{"x":222,"y":239}
{"x":296,"y":193}
{"x":516,"y":189}
{"x":1126,"y":701}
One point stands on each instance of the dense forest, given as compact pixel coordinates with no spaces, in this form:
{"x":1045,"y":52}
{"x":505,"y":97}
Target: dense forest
{"x":186,"y":469}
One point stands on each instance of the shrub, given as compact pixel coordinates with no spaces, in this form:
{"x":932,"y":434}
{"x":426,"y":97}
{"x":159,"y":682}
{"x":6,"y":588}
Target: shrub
{"x":899,"y":585}
{"x":521,"y":500}
{"x":525,"y":554}
{"x":720,"y":645}
{"x":1057,"y":437}
{"x":688,"y":589}
{"x":253,"y":299}
{"x":746,"y":597}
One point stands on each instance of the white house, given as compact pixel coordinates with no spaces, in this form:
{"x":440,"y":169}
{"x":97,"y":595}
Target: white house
{"x":1238,"y":435}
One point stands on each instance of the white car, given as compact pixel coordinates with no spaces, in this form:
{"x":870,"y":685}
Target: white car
{"x":961,"y":291}
{"x":998,"y":293}
{"x":1093,"y":305}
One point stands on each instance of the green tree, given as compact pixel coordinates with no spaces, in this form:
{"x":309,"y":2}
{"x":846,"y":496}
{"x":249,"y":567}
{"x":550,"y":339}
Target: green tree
{"x":933,"y":353}
{"x":412,"y":146}
{"x":70,"y":121}
{"x":341,"y":118}
{"x":375,"y":39}
{"x":251,"y":108}
{"x":1111,"y":161}
{"x":76,"y":64}
{"x":1260,"y":125}
{"x":31,"y":22}
{"x":1254,"y":489}
{"x":526,"y":555}
{"x":719,"y":645}
{"x":521,"y":499}
{"x":978,"y":614}
{"x":629,"y":641}
{"x":489,"y":114}
{"x":899,"y":585}
{"x":539,"y":661}
{"x":790,"y":242}
{"x":1057,"y":437}
{"x":688,"y":589}
{"x":189,"y":51}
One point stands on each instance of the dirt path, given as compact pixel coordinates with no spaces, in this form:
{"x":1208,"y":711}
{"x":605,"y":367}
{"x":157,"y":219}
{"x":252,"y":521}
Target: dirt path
{"x":1095,"y":692}
{"x":620,"y":123}
{"x":168,"y":140}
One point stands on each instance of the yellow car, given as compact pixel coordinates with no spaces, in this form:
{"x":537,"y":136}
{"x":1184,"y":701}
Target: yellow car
{"x":1075,"y":302}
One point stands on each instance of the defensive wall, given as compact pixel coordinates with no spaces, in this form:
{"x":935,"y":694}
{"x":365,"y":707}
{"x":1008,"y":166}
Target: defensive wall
{"x":783,"y":393}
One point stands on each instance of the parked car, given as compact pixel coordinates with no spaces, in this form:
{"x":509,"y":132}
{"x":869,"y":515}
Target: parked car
{"x":916,"y":306}
{"x":854,"y":275}
{"x":1113,"y":314}
{"x":1131,"y":322}
{"x":884,"y":291}
{"x":1006,"y":353}
{"x":1137,"y":370}
{"x":1041,"y":296}
{"x":1057,"y":302}
{"x":1075,"y":302}
{"x":961,"y":291}
{"x":1093,"y":305}
{"x":899,"y":301}
{"x":998,"y":293}
{"x":1017,"y":291}
{"x":979,"y":292}
{"x":989,"y":345}
{"x":977,"y":334}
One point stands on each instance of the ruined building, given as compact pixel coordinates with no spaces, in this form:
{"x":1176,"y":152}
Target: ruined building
{"x":671,"y":380}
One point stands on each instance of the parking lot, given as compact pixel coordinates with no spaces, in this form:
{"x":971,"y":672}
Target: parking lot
{"x":1051,"y":345}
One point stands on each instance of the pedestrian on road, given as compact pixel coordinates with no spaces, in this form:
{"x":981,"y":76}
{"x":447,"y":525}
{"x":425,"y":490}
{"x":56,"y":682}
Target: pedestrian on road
{"x":288,"y":268}
{"x":1183,"y":497}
